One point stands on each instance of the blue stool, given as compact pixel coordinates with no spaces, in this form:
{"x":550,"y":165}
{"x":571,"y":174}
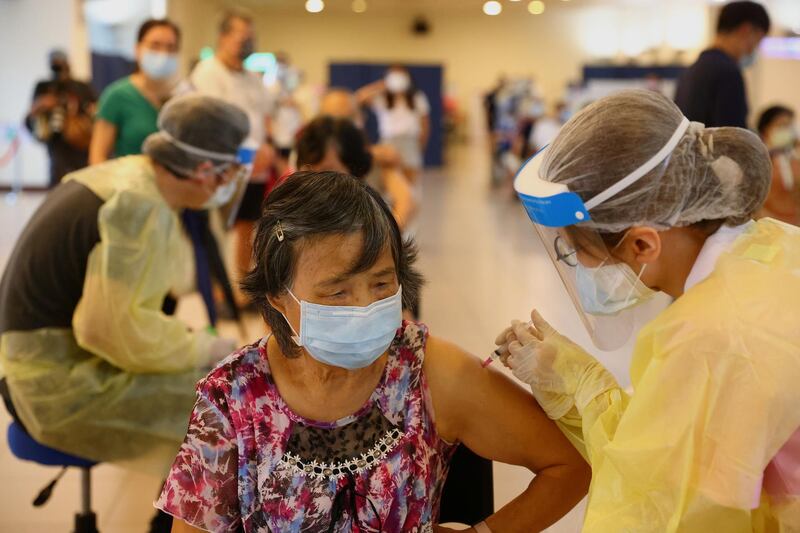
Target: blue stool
{"x":24,"y":447}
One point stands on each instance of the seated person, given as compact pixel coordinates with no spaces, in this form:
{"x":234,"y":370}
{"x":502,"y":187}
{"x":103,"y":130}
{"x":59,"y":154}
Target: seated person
{"x":776,"y":127}
{"x":93,"y":366}
{"x":345,"y":418}
{"x":386,"y":174}
{"x":335,"y":144}
{"x":342,"y":103}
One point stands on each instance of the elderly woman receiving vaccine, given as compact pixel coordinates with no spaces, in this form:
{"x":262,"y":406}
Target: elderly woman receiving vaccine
{"x":345,"y":417}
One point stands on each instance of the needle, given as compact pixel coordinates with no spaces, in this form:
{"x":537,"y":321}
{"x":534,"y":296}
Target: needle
{"x":498,"y":353}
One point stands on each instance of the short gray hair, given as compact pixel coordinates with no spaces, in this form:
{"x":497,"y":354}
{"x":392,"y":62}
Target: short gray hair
{"x":316,"y":204}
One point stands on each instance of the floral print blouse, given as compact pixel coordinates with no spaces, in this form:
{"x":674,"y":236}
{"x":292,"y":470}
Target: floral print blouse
{"x":249,"y":463}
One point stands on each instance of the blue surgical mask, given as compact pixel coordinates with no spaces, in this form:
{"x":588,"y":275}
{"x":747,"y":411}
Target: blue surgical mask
{"x":748,"y":60}
{"x":608,"y":289}
{"x":347,"y":336}
{"x":159,"y":65}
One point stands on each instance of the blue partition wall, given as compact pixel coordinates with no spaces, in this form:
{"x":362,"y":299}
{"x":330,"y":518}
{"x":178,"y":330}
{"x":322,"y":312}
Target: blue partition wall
{"x":428,"y":78}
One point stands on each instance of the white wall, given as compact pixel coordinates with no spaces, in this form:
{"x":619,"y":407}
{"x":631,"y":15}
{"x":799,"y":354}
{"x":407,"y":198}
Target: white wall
{"x":473,"y":47}
{"x":773,"y":81}
{"x":29,"y":29}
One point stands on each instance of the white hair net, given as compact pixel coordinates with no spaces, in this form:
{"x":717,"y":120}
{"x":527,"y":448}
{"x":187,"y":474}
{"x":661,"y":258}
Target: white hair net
{"x":194,"y":128}
{"x":712,"y":174}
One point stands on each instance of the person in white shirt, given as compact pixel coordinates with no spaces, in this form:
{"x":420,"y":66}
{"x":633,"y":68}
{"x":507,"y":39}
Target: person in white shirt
{"x":288,"y":116}
{"x":225,"y":77}
{"x":403,"y":116}
{"x":547,"y":127}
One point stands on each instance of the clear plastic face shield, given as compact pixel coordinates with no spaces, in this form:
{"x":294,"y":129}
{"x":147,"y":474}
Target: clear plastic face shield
{"x":229,"y":210}
{"x":227,"y":197}
{"x":601,"y":286}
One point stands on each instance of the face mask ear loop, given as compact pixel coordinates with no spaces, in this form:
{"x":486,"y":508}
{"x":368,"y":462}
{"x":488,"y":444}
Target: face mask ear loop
{"x":625,"y":236}
{"x":296,"y":337}
{"x":633,"y":285}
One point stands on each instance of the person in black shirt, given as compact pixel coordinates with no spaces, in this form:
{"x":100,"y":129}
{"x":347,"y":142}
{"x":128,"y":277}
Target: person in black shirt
{"x":61,"y":117}
{"x":712,"y":90}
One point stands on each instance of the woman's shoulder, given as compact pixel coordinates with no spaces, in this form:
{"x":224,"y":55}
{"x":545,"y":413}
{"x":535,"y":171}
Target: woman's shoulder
{"x":420,"y":351}
{"x":118,"y":89}
{"x":413,"y":334}
{"x":114,"y":100}
{"x":243,"y":373}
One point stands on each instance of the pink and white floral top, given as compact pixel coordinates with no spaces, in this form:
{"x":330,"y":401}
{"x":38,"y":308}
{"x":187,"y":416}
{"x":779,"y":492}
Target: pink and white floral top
{"x":249,"y":463}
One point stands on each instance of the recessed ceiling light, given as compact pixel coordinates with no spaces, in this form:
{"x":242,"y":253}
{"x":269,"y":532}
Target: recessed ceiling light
{"x":536,"y":7}
{"x":492,"y":7}
{"x":359,"y":6}
{"x":314,"y":6}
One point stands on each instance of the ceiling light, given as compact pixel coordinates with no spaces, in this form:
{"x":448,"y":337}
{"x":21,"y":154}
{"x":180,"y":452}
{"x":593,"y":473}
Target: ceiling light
{"x":492,"y":7}
{"x":314,"y":6}
{"x":359,"y":6}
{"x":536,"y":7}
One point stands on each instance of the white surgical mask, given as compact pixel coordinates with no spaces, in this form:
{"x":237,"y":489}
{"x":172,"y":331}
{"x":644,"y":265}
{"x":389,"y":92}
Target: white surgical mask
{"x":783,"y":164}
{"x":159,"y":65}
{"x":347,"y":336}
{"x":782,"y":138}
{"x":608,"y":289}
{"x":221,"y":196}
{"x":397,"y":82}
{"x":224,"y":193}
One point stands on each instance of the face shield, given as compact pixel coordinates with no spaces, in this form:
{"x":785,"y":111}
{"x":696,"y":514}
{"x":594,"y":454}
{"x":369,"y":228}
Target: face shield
{"x":230,"y":208}
{"x":602,"y":288}
{"x":227,"y":197}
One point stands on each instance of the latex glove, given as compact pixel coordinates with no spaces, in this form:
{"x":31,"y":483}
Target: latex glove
{"x":562,"y":375}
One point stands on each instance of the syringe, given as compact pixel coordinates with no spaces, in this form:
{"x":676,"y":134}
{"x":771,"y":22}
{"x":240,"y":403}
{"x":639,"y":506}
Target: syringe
{"x":498,"y":353}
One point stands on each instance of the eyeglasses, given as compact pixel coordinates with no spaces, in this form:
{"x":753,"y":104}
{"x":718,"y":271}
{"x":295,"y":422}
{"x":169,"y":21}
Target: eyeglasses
{"x":565,"y":252}
{"x":221,"y":170}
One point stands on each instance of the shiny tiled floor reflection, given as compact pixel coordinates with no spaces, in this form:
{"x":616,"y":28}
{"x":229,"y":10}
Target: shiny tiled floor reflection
{"x":483,"y":266}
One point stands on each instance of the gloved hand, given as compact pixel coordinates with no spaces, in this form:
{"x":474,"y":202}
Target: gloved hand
{"x":561,"y":374}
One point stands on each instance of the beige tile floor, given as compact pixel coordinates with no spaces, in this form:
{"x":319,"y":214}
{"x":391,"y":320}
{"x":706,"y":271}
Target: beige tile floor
{"x":484,"y":267}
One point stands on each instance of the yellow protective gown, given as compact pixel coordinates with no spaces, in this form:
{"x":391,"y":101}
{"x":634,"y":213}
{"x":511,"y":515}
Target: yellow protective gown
{"x":717,"y":395}
{"x":119,"y":385}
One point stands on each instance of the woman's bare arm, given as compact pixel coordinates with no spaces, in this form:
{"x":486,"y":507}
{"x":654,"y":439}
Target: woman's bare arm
{"x":104,"y":135}
{"x":402,"y":198}
{"x":367,"y":93}
{"x":498,"y":420}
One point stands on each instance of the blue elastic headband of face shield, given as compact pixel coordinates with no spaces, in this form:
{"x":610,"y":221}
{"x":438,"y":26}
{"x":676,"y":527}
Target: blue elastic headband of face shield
{"x":554,"y":205}
{"x":245,"y":156}
{"x":547,"y":203}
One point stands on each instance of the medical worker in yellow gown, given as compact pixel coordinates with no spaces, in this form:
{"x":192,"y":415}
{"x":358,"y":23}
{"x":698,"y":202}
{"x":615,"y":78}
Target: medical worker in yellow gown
{"x":92,"y":365}
{"x":631,"y":198}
